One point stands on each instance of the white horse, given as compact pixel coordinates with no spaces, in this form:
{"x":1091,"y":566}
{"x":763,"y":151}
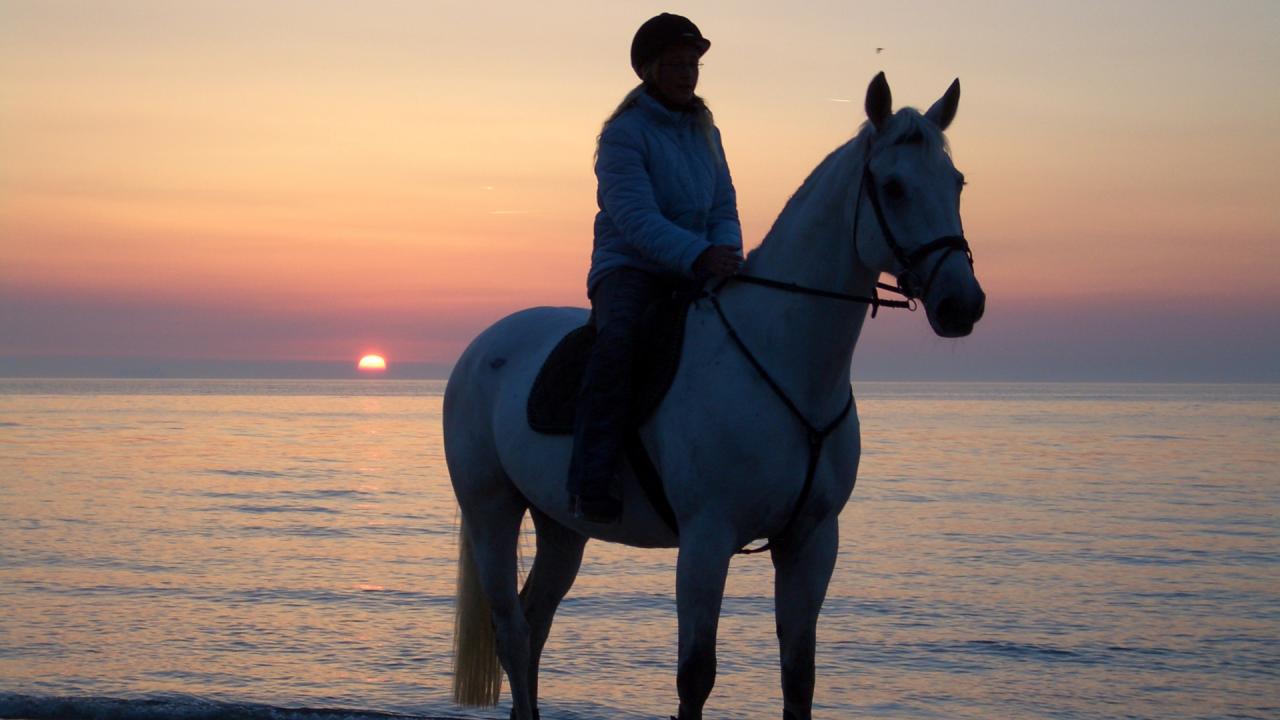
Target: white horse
{"x":764,"y":373}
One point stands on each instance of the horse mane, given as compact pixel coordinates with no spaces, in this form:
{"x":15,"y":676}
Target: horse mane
{"x":907,"y":125}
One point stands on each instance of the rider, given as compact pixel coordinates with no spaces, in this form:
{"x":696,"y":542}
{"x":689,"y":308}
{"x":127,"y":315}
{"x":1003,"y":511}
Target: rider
{"x":668,"y":213}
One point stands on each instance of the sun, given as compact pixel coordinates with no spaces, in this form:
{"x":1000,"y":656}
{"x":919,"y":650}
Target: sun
{"x":372,"y":363}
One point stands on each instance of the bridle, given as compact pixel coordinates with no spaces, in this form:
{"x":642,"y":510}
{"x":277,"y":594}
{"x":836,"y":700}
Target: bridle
{"x":909,"y":286}
{"x":909,"y":283}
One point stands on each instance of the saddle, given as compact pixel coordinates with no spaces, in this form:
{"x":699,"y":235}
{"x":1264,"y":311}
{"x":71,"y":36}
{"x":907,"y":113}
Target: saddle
{"x":554,"y":398}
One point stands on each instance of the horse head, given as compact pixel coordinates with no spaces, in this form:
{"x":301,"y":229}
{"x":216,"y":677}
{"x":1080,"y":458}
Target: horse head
{"x":908,"y":212}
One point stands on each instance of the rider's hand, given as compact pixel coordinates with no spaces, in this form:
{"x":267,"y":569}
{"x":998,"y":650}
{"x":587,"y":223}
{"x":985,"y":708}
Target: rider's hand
{"x":717,"y":261}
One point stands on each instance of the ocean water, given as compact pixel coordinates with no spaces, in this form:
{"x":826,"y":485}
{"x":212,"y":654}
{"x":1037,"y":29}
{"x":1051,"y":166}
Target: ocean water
{"x":273,"y":549}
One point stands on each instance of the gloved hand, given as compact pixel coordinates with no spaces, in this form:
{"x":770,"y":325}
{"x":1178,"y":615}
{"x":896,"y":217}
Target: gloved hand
{"x":717,"y":261}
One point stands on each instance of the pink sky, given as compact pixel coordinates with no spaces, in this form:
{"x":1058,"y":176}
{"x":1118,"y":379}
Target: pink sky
{"x":307,"y":181}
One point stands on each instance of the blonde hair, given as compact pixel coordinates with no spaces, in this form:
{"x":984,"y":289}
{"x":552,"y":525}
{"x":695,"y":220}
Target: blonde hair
{"x":702,"y":114}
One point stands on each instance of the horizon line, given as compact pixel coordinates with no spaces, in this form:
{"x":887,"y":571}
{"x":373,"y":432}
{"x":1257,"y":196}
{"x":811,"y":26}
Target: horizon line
{"x":116,"y":368}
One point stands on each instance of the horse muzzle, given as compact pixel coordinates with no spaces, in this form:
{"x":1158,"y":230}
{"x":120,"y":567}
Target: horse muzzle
{"x":956,"y":313}
{"x":951,"y":295}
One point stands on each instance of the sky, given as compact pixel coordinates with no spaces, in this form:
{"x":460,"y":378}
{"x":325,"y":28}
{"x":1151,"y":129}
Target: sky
{"x":269,"y":186}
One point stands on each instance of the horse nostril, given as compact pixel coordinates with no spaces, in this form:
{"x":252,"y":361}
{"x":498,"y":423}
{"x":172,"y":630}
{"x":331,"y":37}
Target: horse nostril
{"x":948,"y":313}
{"x":982,"y":307}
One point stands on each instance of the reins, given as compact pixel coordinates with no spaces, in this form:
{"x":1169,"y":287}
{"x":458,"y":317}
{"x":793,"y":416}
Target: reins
{"x":874,"y":300}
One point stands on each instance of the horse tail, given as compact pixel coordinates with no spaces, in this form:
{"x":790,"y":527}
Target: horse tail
{"x":477,"y":676}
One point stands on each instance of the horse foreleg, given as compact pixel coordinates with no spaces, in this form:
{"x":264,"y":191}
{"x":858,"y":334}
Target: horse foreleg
{"x":802,"y":571}
{"x":555,"y":566}
{"x":700,"y":576}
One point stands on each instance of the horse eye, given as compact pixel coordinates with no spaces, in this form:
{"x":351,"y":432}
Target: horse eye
{"x":894,"y":190}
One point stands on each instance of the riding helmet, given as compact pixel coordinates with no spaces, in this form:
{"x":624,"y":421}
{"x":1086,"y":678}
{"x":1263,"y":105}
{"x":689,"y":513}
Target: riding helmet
{"x":660,"y":32}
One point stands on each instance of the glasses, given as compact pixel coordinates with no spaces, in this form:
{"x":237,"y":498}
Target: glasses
{"x":691,"y":67}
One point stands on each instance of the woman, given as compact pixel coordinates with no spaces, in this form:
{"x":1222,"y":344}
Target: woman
{"x":668,"y":215}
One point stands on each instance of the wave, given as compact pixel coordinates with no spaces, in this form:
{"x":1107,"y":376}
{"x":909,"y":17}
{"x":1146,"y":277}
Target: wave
{"x":177,"y":707}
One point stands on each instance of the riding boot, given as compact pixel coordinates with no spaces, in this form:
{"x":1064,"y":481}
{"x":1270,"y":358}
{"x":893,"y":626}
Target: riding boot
{"x":606,"y":397}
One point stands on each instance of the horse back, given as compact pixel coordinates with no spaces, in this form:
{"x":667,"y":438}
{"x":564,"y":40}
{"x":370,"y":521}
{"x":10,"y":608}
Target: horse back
{"x":500,"y":363}
{"x":509,"y":353}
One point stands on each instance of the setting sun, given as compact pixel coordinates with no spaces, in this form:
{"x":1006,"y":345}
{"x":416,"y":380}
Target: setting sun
{"x":372,"y":363}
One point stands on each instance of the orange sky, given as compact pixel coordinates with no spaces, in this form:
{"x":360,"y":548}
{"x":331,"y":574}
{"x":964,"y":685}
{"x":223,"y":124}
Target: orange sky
{"x":401,"y":173}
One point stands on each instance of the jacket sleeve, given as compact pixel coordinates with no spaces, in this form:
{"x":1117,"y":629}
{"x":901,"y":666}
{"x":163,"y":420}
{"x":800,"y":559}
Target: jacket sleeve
{"x":626,"y":194}
{"x":722,"y":222}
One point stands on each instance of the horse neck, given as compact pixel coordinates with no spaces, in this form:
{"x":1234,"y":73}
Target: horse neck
{"x":807,"y":341}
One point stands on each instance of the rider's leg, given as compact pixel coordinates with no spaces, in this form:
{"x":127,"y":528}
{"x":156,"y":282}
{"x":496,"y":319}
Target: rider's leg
{"x":606,"y":397}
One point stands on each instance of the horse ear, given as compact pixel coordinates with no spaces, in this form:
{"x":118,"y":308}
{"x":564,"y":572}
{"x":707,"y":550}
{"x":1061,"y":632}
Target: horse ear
{"x":944,"y":111}
{"x":879,"y":101}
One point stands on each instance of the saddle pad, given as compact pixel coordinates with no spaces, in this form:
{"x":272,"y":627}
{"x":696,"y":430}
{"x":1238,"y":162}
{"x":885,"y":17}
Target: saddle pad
{"x":553,"y":399}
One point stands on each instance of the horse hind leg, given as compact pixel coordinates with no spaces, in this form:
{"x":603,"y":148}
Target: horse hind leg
{"x":490,"y":531}
{"x":555,"y":567}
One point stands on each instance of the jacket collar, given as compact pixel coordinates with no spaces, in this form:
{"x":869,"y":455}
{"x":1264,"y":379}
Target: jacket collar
{"x":660,"y":112}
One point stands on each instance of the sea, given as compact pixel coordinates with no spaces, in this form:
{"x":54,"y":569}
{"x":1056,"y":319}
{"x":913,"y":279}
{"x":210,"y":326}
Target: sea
{"x":287,"y":549}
